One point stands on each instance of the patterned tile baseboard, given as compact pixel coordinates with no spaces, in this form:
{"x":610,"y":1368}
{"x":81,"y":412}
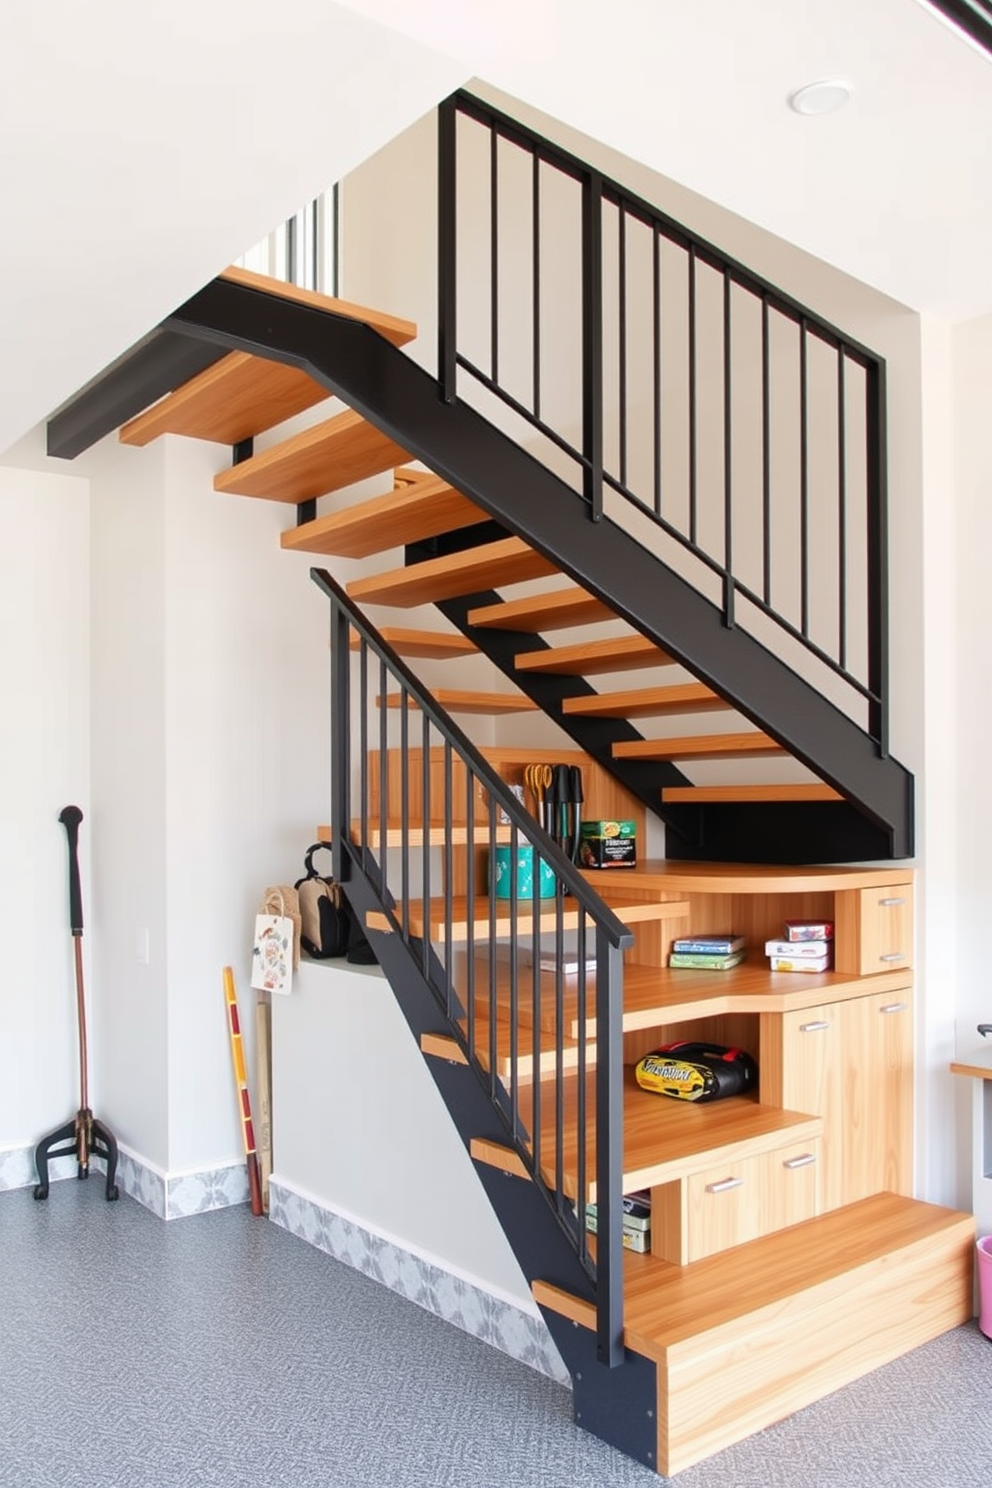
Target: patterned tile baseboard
{"x":494,"y":1319}
{"x":170,"y":1196}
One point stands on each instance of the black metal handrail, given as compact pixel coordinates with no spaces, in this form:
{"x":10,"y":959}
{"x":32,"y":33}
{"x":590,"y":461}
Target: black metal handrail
{"x":748,"y":429}
{"x":412,"y":796}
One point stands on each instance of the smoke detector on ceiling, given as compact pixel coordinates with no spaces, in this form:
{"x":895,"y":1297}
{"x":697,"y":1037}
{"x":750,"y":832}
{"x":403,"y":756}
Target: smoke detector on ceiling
{"x":824,"y":97}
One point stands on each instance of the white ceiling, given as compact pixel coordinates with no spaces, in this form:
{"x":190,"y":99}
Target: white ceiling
{"x":144,"y":146}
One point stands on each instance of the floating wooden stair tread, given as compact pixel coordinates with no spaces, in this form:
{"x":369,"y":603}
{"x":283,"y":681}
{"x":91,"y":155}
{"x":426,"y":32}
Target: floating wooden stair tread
{"x":509,"y":561}
{"x":461,"y":701}
{"x":391,"y":327}
{"x":746,"y":1337}
{"x":699,"y":794}
{"x":473,"y":918}
{"x":687,"y":697}
{"x":443,"y":1046}
{"x":699,"y":746}
{"x":236,"y":398}
{"x":590,"y":657}
{"x":408,"y":514}
{"x":334,"y":453}
{"x":553,"y":611}
{"x":432,"y":645}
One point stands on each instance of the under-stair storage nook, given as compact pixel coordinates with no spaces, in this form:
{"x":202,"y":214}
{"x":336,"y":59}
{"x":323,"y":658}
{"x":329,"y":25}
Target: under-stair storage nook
{"x":787,"y":1252}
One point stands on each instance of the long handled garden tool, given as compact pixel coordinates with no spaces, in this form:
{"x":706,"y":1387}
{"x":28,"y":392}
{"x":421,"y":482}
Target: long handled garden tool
{"x":83,"y":1135}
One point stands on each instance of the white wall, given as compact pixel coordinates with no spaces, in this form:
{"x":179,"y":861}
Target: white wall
{"x":45,"y":753}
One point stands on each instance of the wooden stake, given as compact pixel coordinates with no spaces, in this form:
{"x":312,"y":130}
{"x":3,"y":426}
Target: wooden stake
{"x":244,"y":1100}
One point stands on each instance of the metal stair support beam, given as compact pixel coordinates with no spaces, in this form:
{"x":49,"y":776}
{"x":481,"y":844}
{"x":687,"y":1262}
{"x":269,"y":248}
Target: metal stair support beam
{"x":402,"y":400}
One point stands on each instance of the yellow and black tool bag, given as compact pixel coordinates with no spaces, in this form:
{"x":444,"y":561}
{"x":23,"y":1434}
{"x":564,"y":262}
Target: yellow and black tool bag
{"x":697,"y":1072}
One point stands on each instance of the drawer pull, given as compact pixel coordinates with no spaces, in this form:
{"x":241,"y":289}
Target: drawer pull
{"x":890,"y":903}
{"x":894,"y":1007}
{"x":894,"y":956}
{"x":725,"y":1185}
{"x":813,"y":1027}
{"x":800,"y":1162}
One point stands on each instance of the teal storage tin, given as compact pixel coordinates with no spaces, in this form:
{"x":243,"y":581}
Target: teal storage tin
{"x":499,"y":874}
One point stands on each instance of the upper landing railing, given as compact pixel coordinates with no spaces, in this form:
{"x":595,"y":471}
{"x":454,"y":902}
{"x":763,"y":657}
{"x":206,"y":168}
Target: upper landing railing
{"x":667,"y":382}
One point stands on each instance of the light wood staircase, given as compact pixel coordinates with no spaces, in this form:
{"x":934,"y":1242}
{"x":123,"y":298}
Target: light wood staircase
{"x":787,"y":1255}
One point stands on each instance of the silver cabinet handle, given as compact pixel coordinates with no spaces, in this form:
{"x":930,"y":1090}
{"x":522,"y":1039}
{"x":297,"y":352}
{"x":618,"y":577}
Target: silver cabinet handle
{"x":890,"y":903}
{"x":894,"y":1007}
{"x":894,"y":956}
{"x":800,"y":1162}
{"x":725,"y":1185}
{"x":812,"y":1027}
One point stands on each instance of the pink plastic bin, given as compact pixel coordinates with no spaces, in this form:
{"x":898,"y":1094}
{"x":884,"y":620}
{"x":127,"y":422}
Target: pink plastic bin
{"x":984,"y":1251}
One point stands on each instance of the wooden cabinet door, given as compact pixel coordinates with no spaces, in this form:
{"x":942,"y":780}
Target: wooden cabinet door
{"x":851,"y":1063}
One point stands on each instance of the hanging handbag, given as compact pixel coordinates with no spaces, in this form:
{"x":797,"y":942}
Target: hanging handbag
{"x":324,"y":915}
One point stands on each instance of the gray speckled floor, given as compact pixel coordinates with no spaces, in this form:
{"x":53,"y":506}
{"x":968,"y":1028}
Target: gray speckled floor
{"x":221,"y":1350}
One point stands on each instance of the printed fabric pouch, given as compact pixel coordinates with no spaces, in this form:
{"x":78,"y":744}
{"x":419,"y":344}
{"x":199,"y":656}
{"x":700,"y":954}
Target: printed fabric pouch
{"x":323,"y":912}
{"x":272,"y":953}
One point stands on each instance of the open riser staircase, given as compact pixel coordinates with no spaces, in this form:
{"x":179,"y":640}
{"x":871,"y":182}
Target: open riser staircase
{"x":786,"y":1254}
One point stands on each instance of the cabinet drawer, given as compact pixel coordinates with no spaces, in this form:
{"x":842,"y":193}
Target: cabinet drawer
{"x":875,"y":929}
{"x":741,"y":1201}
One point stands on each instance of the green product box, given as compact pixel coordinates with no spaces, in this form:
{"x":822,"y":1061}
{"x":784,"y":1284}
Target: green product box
{"x":608,"y":844}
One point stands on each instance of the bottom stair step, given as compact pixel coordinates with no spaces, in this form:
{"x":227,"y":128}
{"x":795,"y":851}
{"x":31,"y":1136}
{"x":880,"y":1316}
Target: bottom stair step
{"x":747,"y":1337}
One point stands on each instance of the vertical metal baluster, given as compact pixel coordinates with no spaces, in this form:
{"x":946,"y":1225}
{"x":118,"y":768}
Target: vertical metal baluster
{"x":622,"y":337}
{"x":536,"y":269}
{"x":656,"y":328}
{"x":363,"y":744}
{"x":470,"y":892}
{"x":581,"y":1091}
{"x":383,"y":766}
{"x":425,"y":853}
{"x":447,"y":250}
{"x":336,"y":241}
{"x":609,"y":1151}
{"x":728,"y":459}
{"x":340,"y":737}
{"x":405,"y":814}
{"x":878,"y":579}
{"x":766,"y":468}
{"x":494,"y":254}
{"x":448,"y":859}
{"x":592,"y":342}
{"x":535,"y":1031}
{"x":842,"y":507}
{"x":693,"y":473}
{"x":559,"y":943}
{"x":804,"y":477}
{"x":514,"y":986}
{"x":493,"y":988}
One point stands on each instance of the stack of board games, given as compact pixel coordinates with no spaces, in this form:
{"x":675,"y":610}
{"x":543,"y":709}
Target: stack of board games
{"x":807,"y":945}
{"x":636,"y":1220}
{"x":707,"y":952}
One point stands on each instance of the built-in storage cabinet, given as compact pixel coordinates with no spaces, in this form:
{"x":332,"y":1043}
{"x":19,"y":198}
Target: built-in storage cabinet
{"x":875,"y":929}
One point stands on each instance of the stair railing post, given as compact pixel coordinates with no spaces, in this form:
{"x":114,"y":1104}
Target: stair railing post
{"x":878,"y":562}
{"x":340,"y":738}
{"x":447,"y":250}
{"x":609,"y":1152}
{"x":592,"y":342}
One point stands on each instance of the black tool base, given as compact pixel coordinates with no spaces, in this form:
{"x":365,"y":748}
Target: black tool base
{"x":84,"y":1137}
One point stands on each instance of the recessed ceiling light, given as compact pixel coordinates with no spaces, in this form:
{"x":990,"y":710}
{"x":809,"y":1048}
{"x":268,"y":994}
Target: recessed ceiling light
{"x":824,"y":97}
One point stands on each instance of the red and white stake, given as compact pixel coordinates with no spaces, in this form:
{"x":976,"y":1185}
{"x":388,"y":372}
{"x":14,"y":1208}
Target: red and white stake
{"x":244,"y":1100}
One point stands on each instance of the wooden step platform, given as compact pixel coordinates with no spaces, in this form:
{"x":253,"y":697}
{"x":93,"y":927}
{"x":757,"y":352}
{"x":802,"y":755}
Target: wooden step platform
{"x":701,"y":794}
{"x":390,"y":327}
{"x":457,"y":700}
{"x":509,"y":561}
{"x":408,"y":514}
{"x":333,"y":454}
{"x":471,"y":920}
{"x":434,"y":645}
{"x":625,"y":653}
{"x":641,"y":702}
{"x":750,"y":745}
{"x":747,"y":1337}
{"x":553,"y":611}
{"x":443,"y":1046}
